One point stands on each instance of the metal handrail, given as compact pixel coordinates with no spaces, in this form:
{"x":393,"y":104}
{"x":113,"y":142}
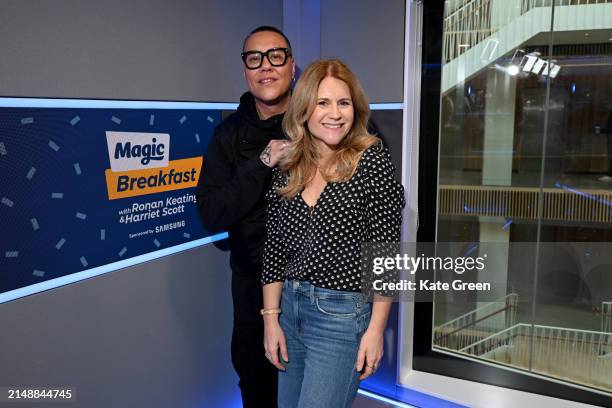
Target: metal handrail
{"x":480,"y":309}
{"x":478,"y":322}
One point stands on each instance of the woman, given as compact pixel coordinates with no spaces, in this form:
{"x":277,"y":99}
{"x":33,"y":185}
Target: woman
{"x":334,"y":190}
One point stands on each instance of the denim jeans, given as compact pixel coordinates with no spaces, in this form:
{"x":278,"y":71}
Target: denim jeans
{"x":323,"y":329}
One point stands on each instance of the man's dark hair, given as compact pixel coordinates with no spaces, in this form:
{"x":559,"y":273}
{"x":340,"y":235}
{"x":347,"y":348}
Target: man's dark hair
{"x":266,"y":28}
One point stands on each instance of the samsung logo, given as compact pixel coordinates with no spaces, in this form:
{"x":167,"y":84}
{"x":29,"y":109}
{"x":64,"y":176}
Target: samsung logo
{"x":133,"y":151}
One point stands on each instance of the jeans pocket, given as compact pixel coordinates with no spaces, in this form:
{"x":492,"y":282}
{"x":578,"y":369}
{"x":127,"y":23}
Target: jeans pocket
{"x":363,"y":320}
{"x":343,"y":307}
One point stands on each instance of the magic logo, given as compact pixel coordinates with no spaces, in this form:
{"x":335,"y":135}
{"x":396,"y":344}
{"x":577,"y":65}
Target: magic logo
{"x":147,"y":152}
{"x":140,"y":165}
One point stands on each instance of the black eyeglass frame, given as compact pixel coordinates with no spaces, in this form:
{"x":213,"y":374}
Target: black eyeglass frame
{"x":245,"y":54}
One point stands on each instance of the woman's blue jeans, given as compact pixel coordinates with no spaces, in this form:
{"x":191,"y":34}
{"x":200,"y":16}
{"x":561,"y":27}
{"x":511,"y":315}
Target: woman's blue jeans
{"x":323,"y":329}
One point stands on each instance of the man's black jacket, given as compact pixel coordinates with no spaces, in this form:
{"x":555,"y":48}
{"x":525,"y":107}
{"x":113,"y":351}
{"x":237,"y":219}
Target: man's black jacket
{"x":233,"y":182}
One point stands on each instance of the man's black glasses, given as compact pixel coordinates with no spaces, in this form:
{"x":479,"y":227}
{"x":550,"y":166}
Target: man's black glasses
{"x":276,"y":56}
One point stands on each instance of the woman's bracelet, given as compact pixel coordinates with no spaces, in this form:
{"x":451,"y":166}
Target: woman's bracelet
{"x":269,"y":311}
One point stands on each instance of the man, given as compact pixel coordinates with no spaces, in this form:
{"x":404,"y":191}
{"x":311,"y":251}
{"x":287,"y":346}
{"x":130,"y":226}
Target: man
{"x":235,"y":175}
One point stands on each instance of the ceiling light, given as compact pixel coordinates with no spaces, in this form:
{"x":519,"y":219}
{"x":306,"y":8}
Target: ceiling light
{"x":554,"y":71}
{"x":512,"y":70}
{"x":530,"y":63}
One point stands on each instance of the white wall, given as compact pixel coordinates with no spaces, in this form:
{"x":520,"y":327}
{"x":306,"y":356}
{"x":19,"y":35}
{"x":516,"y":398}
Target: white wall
{"x":135,"y":49}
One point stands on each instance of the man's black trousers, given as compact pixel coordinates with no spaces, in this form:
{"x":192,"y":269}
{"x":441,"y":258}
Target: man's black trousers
{"x":258,"y":377}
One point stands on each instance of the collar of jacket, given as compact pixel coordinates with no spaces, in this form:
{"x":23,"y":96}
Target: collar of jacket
{"x":248,"y":112}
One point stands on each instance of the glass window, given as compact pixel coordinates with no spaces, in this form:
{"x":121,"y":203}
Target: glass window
{"x":526,"y":157}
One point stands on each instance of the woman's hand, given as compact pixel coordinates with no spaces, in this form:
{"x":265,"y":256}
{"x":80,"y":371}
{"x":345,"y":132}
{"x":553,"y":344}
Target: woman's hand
{"x":274,"y":340}
{"x":370,"y":353}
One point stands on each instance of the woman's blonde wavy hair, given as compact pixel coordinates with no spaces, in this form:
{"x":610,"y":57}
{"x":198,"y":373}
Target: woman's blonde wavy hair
{"x":301,"y":160}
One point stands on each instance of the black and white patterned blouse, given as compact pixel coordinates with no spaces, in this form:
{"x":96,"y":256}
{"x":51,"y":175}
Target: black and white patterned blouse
{"x":322,"y":244}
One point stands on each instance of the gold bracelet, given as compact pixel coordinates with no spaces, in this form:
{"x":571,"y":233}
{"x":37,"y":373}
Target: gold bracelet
{"x":269,"y":311}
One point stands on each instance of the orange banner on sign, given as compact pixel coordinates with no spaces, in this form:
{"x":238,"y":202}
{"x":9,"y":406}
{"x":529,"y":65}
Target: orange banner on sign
{"x":179,"y":174}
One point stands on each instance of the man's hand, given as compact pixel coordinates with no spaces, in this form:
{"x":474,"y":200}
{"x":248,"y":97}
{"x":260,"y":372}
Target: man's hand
{"x":274,"y":152}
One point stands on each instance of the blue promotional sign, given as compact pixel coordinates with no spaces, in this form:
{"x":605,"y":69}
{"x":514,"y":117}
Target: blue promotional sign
{"x":86,"y":187}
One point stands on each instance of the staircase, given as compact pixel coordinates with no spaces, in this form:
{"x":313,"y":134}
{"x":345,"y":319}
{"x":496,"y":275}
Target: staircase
{"x":579,"y":356}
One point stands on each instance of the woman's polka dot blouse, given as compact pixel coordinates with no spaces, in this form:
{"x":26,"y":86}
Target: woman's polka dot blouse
{"x":322,"y":244}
